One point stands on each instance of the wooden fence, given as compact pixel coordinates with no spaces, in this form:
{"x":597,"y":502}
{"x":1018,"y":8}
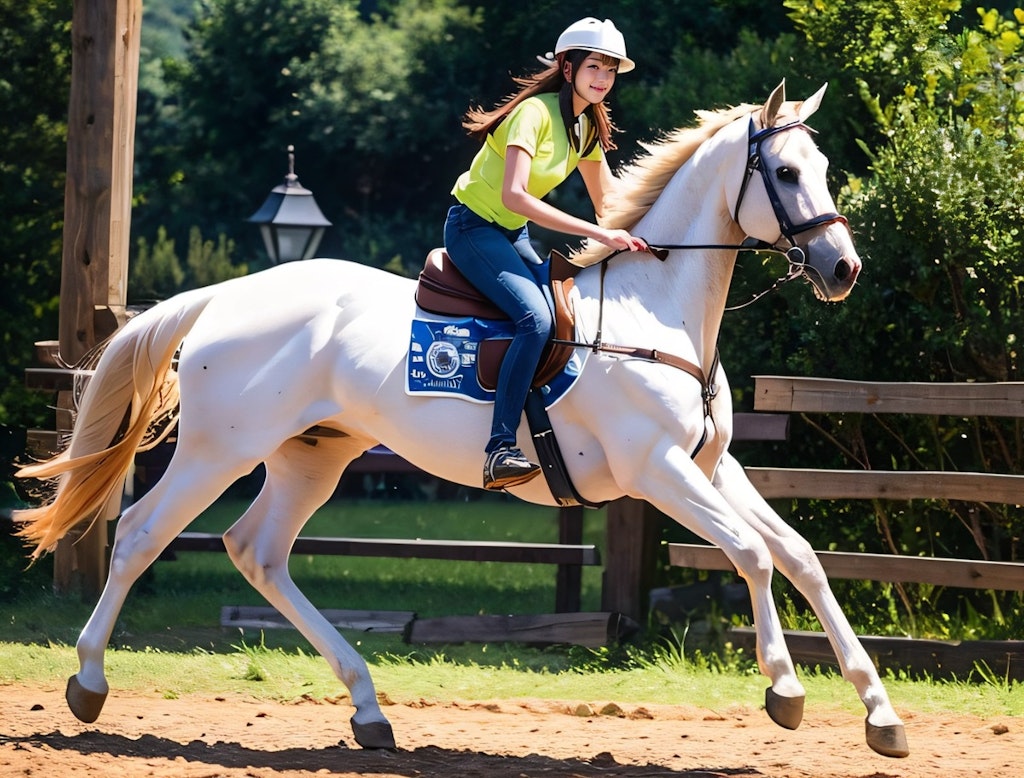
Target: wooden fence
{"x":631,"y":525}
{"x":816,"y":395}
{"x":627,"y":560}
{"x":631,"y":542}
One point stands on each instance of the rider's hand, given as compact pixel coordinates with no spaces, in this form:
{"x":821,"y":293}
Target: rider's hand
{"x":622,"y":240}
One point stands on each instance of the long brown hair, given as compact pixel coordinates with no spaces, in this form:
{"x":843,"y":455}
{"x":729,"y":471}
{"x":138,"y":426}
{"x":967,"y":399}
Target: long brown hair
{"x":480,"y":123}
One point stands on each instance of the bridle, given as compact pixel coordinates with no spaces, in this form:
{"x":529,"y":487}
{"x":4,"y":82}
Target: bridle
{"x":798,"y":262}
{"x":795,"y":255}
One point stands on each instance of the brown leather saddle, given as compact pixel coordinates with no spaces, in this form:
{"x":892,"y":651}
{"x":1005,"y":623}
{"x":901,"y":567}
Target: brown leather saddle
{"x":445,"y":291}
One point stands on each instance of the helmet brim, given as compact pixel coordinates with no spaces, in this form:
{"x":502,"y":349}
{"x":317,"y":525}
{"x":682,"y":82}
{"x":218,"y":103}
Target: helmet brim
{"x":625,"y":63}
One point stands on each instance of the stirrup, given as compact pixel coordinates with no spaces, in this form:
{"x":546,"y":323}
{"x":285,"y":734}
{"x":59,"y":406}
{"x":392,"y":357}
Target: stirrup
{"x":506,"y":467}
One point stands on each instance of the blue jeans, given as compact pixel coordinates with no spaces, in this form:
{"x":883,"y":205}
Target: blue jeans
{"x":494,"y":259}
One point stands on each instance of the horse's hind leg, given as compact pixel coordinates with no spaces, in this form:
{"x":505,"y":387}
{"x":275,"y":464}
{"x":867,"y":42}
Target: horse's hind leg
{"x":796,"y":560}
{"x":144,"y":530}
{"x":300,"y":478}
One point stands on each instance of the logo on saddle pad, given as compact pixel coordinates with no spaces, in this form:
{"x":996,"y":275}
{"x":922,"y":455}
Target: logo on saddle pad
{"x":444,"y":360}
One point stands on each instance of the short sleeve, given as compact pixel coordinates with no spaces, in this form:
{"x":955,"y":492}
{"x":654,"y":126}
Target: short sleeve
{"x":525,"y":125}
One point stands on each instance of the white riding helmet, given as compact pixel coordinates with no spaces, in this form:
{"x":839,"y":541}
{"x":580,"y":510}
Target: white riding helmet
{"x":590,"y":34}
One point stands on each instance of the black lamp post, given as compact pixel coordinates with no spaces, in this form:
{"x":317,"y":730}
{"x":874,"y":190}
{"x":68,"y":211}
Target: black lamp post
{"x":290,"y":220}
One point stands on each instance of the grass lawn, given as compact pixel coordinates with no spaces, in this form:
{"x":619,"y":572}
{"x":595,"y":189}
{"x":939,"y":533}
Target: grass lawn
{"x":169,"y":639}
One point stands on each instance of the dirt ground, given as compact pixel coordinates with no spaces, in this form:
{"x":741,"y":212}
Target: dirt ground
{"x":236,"y":737}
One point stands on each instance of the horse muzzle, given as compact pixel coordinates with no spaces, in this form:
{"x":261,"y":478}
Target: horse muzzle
{"x":828,"y":261}
{"x":833,"y":286}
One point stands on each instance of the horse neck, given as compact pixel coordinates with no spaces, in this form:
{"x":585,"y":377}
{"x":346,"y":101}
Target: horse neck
{"x":686,"y":294}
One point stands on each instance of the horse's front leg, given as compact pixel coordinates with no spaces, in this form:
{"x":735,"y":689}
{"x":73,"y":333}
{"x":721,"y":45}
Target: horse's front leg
{"x":669,"y":480}
{"x":796,"y":560}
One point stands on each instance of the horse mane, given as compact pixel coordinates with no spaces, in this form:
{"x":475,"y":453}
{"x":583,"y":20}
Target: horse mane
{"x":643,"y":180}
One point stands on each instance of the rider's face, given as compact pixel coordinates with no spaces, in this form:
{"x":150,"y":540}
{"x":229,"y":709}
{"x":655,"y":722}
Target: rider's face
{"x":593,"y":80}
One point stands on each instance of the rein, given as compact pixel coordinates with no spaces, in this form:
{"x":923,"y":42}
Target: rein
{"x":795,"y":255}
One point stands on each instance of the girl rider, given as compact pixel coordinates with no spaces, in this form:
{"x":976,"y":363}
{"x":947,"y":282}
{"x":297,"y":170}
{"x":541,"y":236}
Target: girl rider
{"x":531,"y":143}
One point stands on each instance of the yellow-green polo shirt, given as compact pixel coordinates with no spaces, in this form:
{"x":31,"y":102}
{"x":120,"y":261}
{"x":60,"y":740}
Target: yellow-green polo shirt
{"x":536,"y":126}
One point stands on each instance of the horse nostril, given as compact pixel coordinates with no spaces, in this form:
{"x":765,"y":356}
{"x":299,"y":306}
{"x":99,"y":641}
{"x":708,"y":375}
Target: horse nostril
{"x":843,"y":270}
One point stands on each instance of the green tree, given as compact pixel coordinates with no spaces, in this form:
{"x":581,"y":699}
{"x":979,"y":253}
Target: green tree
{"x":156,"y":271}
{"x":367,"y":100}
{"x":936,"y":217}
{"x":209,"y":262}
{"x":34,"y":84}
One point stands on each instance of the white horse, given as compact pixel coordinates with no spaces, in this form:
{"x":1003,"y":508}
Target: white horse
{"x":265,"y":357}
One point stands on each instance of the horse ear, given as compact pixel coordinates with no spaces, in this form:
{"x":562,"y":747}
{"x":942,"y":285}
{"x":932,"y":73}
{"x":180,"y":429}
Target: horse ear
{"x":773,"y":104}
{"x":811,"y":104}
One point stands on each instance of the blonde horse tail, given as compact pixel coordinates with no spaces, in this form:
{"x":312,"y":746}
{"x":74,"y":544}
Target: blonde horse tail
{"x":132,"y":387}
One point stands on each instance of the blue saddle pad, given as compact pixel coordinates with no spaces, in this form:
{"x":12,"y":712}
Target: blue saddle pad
{"x":442,"y":359}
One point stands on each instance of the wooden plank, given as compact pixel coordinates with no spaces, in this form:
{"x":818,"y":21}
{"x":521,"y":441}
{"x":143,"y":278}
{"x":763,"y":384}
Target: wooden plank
{"x":760,"y":426}
{"x":938,"y":658}
{"x":53,"y":379}
{"x":105,"y":41}
{"x":42,"y":444}
{"x":451,"y":550}
{"x":263,"y":617}
{"x":962,"y":573}
{"x":890,"y":485}
{"x":593,"y":630}
{"x":379,"y":459}
{"x":828,"y":395}
{"x":48,"y":353}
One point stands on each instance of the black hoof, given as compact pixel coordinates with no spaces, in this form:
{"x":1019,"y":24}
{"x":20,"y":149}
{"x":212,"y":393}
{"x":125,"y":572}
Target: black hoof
{"x":376,"y":734}
{"x":890,"y":740}
{"x":787,"y":712}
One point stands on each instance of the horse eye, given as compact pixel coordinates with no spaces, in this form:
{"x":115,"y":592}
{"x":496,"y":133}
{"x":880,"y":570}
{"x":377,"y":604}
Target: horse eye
{"x":787,"y":175}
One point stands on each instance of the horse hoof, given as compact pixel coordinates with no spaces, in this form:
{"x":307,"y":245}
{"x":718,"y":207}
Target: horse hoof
{"x":890,"y":740}
{"x":787,"y":712}
{"x":376,"y":734}
{"x":86,"y":705}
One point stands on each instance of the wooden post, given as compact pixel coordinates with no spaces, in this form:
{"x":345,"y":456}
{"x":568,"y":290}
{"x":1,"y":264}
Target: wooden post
{"x":105,"y":39}
{"x":569,"y":578}
{"x":630,"y":557}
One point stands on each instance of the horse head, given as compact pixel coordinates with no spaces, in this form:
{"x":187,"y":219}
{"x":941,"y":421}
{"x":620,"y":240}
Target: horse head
{"x":788,"y":206}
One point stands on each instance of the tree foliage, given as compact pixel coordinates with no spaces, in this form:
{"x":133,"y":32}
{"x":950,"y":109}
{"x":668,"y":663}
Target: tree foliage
{"x":937,"y":218}
{"x":34,"y":82}
{"x":923,"y":126}
{"x":370,"y":102}
{"x":158,"y":272}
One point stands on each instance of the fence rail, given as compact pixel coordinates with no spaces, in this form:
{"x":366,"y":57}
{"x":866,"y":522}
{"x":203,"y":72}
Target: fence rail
{"x":963,"y":573}
{"x":786,"y":395}
{"x":884,"y":484}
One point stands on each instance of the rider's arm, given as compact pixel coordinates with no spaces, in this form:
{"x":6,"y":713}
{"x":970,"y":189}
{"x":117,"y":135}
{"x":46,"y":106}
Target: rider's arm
{"x":516,"y":198}
{"x":600,"y":182}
